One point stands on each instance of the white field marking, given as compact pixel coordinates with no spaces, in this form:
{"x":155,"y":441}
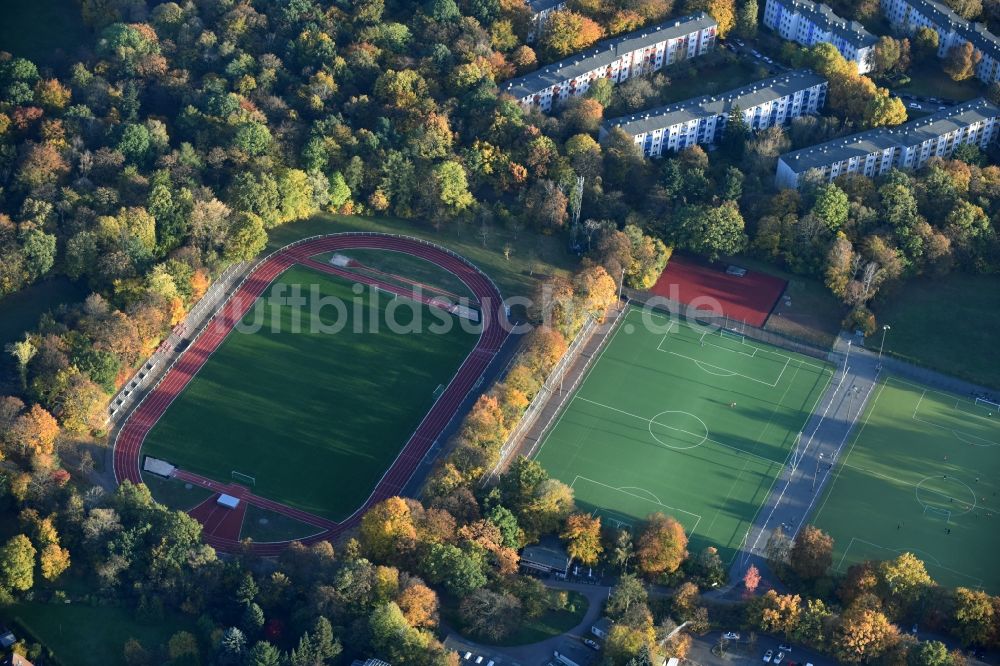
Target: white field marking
{"x":625,"y":491}
{"x":726,"y":372}
{"x":655,"y":498}
{"x":760,"y":437}
{"x":669,"y":330}
{"x":764,"y":349}
{"x":842,"y":462}
{"x":774,"y":480}
{"x":916,"y":551}
{"x":917,"y":489}
{"x":704,"y":437}
{"x":582,"y":382}
{"x":960,"y":435}
{"x":708,"y":439}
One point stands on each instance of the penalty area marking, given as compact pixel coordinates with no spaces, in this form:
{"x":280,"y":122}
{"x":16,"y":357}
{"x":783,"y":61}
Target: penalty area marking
{"x":960,"y":435}
{"x":924,"y":555}
{"x":626,"y":490}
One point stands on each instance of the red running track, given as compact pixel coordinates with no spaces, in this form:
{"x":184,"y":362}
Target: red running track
{"x":133,"y":432}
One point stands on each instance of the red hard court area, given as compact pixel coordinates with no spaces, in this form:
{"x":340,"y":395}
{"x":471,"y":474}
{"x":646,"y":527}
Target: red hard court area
{"x":222,"y":530}
{"x":707,"y":287}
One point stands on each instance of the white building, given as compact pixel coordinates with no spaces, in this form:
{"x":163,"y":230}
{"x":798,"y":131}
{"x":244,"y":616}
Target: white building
{"x":907,"y":16}
{"x":774,"y":101}
{"x":618,"y":59}
{"x":907,"y":146}
{"x":541,"y":10}
{"x":810,"y":23}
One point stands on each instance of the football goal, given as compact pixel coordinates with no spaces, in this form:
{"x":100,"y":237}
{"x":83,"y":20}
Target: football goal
{"x":987,"y":404}
{"x":937,"y":512}
{"x":245,"y":479}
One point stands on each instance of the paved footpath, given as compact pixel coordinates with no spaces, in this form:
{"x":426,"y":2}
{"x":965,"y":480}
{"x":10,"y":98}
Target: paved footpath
{"x":801,"y":481}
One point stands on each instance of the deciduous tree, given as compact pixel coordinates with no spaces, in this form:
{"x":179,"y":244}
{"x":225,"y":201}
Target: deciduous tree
{"x":583,"y":534}
{"x":662,"y":546}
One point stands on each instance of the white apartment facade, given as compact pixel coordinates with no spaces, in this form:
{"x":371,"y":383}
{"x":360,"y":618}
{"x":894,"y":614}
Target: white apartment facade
{"x":774,"y":101}
{"x":618,"y":59}
{"x":907,"y":146}
{"x":809,"y":23}
{"x":907,"y":16}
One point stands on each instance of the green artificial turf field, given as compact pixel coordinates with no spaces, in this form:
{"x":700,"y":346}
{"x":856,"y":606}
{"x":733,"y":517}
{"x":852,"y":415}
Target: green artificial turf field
{"x":316,"y":418}
{"x":653,"y":428}
{"x":922,"y":463}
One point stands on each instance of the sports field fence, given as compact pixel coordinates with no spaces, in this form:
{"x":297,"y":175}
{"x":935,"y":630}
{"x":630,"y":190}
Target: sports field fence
{"x":732,"y":327}
{"x":553,"y":382}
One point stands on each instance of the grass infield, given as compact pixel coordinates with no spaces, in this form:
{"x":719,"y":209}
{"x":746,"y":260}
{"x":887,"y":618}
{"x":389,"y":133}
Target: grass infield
{"x":691,"y":424}
{"x":316,"y":418}
{"x":922,"y":463}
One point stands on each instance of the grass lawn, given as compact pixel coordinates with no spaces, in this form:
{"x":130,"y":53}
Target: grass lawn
{"x":532,"y":254}
{"x":921,"y":475}
{"x":316,"y":417}
{"x":262,"y":526}
{"x":673,"y":421}
{"x":175,"y":493}
{"x":814,"y":315}
{"x":948,"y":324}
{"x":83,"y":635}
{"x":402,"y":269}
{"x":711,"y":77}
{"x":19,"y":312}
{"x":38,"y":30}
{"x":927,"y":79}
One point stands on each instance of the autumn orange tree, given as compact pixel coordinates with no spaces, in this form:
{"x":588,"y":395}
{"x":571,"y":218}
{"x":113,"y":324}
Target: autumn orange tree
{"x":387,"y":530}
{"x":35,"y":432}
{"x":863,"y":634}
{"x":662,"y":546}
{"x":775,"y":613}
{"x":567,"y":32}
{"x":583,"y":536}
{"x":812,"y":553}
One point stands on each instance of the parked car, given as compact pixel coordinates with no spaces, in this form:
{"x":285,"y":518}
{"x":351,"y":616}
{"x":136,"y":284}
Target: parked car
{"x":767,"y":656}
{"x":778,"y":658}
{"x":784,"y":648}
{"x":731,"y":636}
{"x":914,"y":105}
{"x":591,"y":644}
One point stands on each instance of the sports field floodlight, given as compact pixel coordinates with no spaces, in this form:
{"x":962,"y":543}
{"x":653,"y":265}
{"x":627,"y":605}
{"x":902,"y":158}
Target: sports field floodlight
{"x":621,"y":283}
{"x":885,"y":328}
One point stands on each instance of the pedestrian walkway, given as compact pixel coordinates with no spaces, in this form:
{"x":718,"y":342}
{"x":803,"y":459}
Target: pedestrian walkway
{"x":811,"y":463}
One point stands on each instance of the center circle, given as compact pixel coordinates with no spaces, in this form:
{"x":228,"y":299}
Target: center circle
{"x":945,"y":492}
{"x":683,"y":424}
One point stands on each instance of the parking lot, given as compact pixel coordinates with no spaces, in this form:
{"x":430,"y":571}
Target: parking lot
{"x":705,"y":650}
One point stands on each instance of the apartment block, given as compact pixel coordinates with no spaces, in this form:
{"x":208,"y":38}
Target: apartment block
{"x":907,"y":146}
{"x":907,"y":16}
{"x":809,"y":23}
{"x":541,"y":10}
{"x":701,"y":120}
{"x":618,"y":59}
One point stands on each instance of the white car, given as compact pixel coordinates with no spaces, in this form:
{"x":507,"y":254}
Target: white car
{"x":591,"y":644}
{"x":767,"y":656}
{"x":914,"y":105}
{"x":784,"y":648}
{"x":778,"y":658}
{"x":731,"y":636}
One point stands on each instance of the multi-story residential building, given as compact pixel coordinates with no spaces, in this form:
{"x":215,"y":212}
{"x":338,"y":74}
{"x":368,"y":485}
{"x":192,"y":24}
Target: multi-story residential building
{"x":774,"y":101}
{"x":540,"y":12}
{"x":907,"y":146}
{"x":618,"y":59}
{"x":810,"y":23}
{"x":907,"y":16}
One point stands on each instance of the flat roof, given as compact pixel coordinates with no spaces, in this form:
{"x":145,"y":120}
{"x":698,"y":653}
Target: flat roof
{"x":575,"y":650}
{"x":825,"y":17}
{"x":908,"y":134}
{"x":604,"y":53}
{"x":746,"y":97}
{"x":546,"y":556}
